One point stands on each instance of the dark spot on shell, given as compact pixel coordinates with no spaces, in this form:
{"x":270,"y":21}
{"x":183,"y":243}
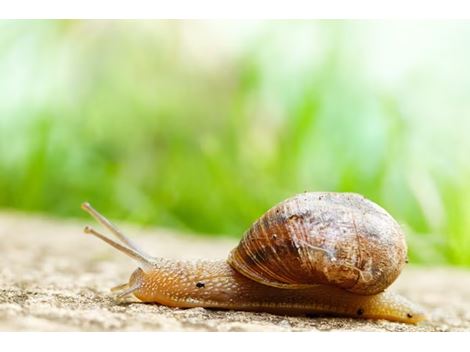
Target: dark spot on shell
{"x":409,"y":315}
{"x":294,"y":217}
{"x":360,"y":311}
{"x":260,"y":256}
{"x":200,"y":285}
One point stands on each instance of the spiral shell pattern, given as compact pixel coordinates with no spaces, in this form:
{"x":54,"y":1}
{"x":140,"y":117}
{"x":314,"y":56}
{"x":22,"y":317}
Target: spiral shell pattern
{"x":339,"y":239}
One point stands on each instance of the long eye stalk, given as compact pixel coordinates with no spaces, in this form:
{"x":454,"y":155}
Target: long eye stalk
{"x":106,"y":223}
{"x":145,"y":260}
{"x":147,"y":263}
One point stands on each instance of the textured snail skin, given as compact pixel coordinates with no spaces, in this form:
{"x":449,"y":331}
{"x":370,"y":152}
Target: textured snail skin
{"x":212,"y":284}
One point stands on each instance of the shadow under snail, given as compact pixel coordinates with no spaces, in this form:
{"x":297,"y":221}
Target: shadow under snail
{"x":314,"y":253}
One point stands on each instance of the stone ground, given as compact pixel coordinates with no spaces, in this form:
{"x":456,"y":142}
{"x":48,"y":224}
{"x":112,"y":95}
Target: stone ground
{"x":55,"y":278}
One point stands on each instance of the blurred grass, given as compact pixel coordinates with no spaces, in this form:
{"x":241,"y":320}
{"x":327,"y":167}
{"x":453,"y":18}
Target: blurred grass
{"x":203,"y":126}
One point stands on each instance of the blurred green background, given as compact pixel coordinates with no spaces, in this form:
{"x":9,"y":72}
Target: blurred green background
{"x":204,"y":125}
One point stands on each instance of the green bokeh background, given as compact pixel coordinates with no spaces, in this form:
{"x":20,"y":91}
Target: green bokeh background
{"x":204,"y":125}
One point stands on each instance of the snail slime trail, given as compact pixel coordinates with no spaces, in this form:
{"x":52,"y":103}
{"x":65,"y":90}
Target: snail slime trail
{"x":314,"y":253}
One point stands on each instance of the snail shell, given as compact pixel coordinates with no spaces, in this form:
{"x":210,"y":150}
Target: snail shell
{"x":339,"y":239}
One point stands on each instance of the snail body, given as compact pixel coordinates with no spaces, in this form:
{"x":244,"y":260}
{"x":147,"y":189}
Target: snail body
{"x":314,"y":253}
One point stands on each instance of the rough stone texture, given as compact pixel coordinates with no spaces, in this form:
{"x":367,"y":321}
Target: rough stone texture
{"x":55,"y":278}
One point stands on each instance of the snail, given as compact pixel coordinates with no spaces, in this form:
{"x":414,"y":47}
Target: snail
{"x":313,"y":254}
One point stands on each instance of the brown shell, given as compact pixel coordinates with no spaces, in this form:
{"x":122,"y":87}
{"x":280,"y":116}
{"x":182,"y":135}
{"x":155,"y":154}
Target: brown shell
{"x":339,"y":239}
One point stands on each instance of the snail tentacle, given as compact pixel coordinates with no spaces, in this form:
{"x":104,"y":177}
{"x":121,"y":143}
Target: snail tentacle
{"x":114,"y":230}
{"x":147,"y":263}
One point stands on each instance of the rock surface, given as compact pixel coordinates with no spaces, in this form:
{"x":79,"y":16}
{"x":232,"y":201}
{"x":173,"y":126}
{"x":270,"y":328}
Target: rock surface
{"x":55,"y":278}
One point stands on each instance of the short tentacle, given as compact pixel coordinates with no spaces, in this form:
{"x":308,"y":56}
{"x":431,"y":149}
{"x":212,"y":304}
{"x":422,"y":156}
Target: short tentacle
{"x":126,"y":292}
